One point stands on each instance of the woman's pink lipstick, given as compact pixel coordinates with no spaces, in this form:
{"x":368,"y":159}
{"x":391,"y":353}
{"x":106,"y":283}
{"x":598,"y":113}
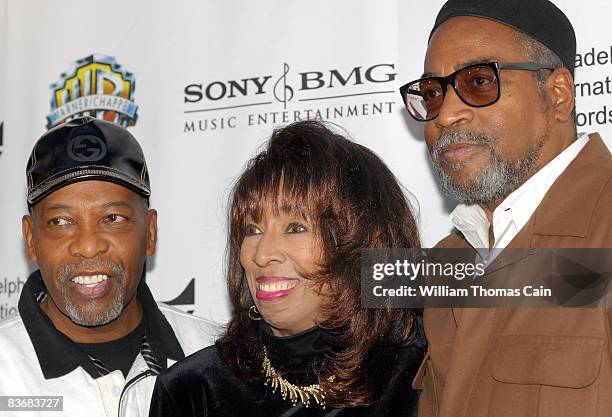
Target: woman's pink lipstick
{"x":272,"y":288}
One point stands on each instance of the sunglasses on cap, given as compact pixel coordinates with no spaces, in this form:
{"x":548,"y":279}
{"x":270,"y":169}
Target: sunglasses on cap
{"x":477,"y":85}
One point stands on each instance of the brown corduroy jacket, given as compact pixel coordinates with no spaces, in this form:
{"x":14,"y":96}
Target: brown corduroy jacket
{"x":554,"y":362}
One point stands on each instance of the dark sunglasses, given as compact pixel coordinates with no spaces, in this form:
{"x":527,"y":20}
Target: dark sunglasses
{"x":477,"y":85}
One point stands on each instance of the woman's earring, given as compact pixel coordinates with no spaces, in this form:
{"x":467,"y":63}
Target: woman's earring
{"x":254,"y":313}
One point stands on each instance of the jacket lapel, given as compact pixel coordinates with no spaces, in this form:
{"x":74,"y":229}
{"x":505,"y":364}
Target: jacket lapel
{"x":573,"y":192}
{"x":576,"y":191}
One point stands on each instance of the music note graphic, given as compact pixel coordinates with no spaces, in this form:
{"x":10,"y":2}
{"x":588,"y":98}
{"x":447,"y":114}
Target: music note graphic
{"x":287,"y":92}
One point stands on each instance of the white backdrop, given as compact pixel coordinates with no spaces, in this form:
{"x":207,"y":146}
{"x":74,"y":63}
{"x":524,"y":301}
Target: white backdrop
{"x":209,"y":80}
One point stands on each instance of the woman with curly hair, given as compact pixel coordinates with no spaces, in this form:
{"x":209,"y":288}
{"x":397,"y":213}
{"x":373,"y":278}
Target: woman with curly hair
{"x":298,"y":342}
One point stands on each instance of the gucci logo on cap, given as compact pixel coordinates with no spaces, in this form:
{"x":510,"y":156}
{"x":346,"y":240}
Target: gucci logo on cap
{"x":86,"y":148}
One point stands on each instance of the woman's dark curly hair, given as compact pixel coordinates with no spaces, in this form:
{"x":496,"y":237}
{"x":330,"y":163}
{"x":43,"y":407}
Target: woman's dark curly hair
{"x":354,"y":202}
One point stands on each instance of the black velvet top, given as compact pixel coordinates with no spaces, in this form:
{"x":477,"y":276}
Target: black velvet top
{"x":202,"y":385}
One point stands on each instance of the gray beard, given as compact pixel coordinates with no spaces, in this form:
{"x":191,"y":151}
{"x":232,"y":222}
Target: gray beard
{"x":494,"y":182}
{"x":85,"y":314}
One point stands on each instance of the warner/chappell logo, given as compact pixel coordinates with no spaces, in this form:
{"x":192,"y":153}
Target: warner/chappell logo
{"x":293,"y":89}
{"x":96,"y":86}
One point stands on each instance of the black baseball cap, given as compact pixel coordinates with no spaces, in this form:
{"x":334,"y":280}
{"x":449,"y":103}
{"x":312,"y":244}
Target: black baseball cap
{"x":86,"y":149}
{"x":538,"y":19}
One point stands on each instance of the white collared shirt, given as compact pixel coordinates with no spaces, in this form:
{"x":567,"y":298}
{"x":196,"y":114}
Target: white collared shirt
{"x":514,"y":212}
{"x":82,"y":394}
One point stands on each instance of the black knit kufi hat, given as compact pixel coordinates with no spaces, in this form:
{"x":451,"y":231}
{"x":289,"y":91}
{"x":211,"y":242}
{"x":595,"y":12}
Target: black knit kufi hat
{"x":538,"y":19}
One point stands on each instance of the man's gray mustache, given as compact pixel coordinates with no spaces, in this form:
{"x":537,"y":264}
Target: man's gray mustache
{"x":455,"y":137}
{"x":65,"y":271}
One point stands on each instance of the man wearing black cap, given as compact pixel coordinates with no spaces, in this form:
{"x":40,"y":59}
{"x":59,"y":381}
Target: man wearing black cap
{"x":497,"y":100}
{"x":88,"y":329}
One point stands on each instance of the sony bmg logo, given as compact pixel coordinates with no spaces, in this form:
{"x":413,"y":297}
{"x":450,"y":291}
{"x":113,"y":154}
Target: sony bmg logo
{"x":286,"y":87}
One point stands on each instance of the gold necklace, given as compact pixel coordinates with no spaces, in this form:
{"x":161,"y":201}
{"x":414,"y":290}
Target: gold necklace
{"x":294,"y":392}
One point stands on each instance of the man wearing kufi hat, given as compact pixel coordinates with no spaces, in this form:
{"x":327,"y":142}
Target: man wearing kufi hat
{"x":497,"y":102}
{"x":89,"y":339}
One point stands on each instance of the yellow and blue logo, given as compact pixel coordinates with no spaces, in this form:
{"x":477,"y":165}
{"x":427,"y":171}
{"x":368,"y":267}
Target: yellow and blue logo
{"x":96,"y":86}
